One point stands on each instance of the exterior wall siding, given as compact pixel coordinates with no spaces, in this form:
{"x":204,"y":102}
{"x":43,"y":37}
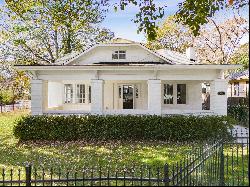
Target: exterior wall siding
{"x":154,"y":97}
{"x":97,"y":96}
{"x":36,"y":97}
{"x":218,"y":103}
{"x":194,"y":96}
{"x":104,"y":54}
{"x":105,"y":91}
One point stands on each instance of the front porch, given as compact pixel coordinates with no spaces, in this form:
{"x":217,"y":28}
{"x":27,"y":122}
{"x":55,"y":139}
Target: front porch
{"x":142,"y":97}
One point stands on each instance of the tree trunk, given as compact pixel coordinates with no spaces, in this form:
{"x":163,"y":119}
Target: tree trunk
{"x":56,"y":44}
{"x":68,"y":42}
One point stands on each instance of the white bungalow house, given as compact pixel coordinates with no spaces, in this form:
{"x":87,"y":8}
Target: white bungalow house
{"x":125,"y":77}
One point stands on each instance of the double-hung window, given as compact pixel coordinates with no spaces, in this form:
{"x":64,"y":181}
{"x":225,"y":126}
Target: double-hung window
{"x":68,"y":90}
{"x":168,"y":94}
{"x":77,"y":93}
{"x":80,"y":93}
{"x":119,"y":55}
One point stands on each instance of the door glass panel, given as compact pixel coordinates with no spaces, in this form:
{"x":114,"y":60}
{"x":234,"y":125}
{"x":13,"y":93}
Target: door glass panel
{"x":181,"y":93}
{"x":128,"y":97}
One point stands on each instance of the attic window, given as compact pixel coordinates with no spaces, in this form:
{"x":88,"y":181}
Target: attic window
{"x":119,"y":55}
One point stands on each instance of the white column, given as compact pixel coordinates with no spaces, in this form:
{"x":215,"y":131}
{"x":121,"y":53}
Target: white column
{"x":36,"y":97}
{"x":154,"y":97}
{"x":97,"y":96}
{"x":218,"y":97}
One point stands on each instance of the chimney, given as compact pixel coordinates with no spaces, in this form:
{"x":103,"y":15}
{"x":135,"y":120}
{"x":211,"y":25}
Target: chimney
{"x":190,"y":52}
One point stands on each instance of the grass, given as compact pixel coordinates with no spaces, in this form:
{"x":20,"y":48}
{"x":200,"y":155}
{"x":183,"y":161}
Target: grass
{"x":72,"y":156}
{"x":75,"y":155}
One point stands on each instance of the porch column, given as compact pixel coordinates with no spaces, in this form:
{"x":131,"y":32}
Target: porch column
{"x":218,"y":97}
{"x":154,"y":97}
{"x":97,"y":96}
{"x":36,"y":97}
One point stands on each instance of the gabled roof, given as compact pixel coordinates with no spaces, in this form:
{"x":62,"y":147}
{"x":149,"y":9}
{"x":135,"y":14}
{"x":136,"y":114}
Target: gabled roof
{"x":71,"y":57}
{"x":121,"y":41}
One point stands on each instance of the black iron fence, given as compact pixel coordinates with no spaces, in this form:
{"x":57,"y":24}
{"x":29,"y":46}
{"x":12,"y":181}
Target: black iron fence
{"x":218,"y":164}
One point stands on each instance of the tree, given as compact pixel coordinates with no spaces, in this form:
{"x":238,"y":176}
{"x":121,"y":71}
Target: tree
{"x":14,"y":86}
{"x":192,"y":13}
{"x":6,"y":97}
{"x":241,"y":56}
{"x":172,"y":35}
{"x":216,"y":43}
{"x":41,"y":31}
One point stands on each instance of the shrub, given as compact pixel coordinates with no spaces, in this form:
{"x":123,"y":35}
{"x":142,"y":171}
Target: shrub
{"x":239,"y":113}
{"x":6,"y":97}
{"x":165,"y":128}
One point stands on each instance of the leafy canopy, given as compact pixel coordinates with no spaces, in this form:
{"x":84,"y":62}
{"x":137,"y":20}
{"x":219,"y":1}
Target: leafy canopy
{"x":217,"y":43}
{"x":41,"y":31}
{"x":192,"y":13}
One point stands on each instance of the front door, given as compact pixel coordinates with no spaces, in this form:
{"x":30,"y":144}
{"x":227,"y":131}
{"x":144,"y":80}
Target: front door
{"x":128,"y":96}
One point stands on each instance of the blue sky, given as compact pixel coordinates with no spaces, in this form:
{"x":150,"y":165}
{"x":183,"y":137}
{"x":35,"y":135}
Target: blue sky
{"x":120,"y":22}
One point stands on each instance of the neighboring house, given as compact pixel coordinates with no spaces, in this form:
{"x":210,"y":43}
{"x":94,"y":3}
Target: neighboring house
{"x":239,"y":84}
{"x":125,"y":77}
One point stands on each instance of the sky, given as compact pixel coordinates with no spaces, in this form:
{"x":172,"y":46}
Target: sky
{"x":121,"y":23}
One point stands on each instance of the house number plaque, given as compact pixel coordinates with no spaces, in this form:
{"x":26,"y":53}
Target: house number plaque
{"x":221,"y":93}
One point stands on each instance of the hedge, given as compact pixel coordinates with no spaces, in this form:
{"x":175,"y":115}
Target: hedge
{"x":165,"y":128}
{"x":240,"y":113}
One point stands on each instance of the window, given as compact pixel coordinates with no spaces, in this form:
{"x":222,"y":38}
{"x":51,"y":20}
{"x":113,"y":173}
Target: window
{"x":68,"y":90}
{"x":119,"y":55}
{"x":80,"y":93}
{"x":236,"y":89}
{"x":89,"y":94}
{"x":168,"y":94}
{"x":181,"y":93}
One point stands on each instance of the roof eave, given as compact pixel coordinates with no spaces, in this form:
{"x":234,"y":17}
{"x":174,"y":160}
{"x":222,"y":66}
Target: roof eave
{"x":125,"y":67}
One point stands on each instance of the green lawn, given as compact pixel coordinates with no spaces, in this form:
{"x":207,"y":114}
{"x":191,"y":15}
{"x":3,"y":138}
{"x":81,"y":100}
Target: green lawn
{"x":75,"y":155}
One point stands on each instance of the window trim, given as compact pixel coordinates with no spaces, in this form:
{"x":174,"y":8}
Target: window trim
{"x":83,"y":98}
{"x":165,"y":85}
{"x":118,"y":53}
{"x":175,"y":92}
{"x":74,"y":97}
{"x":66,"y":93}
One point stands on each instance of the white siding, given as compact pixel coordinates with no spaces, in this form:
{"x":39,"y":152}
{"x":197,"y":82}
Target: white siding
{"x":105,"y":91}
{"x":55,"y":94}
{"x":97,"y":96}
{"x":36,"y":97}
{"x":154,"y":96}
{"x":218,"y":103}
{"x":104,"y":54}
{"x":111,"y":94}
{"x":193,"y":97}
